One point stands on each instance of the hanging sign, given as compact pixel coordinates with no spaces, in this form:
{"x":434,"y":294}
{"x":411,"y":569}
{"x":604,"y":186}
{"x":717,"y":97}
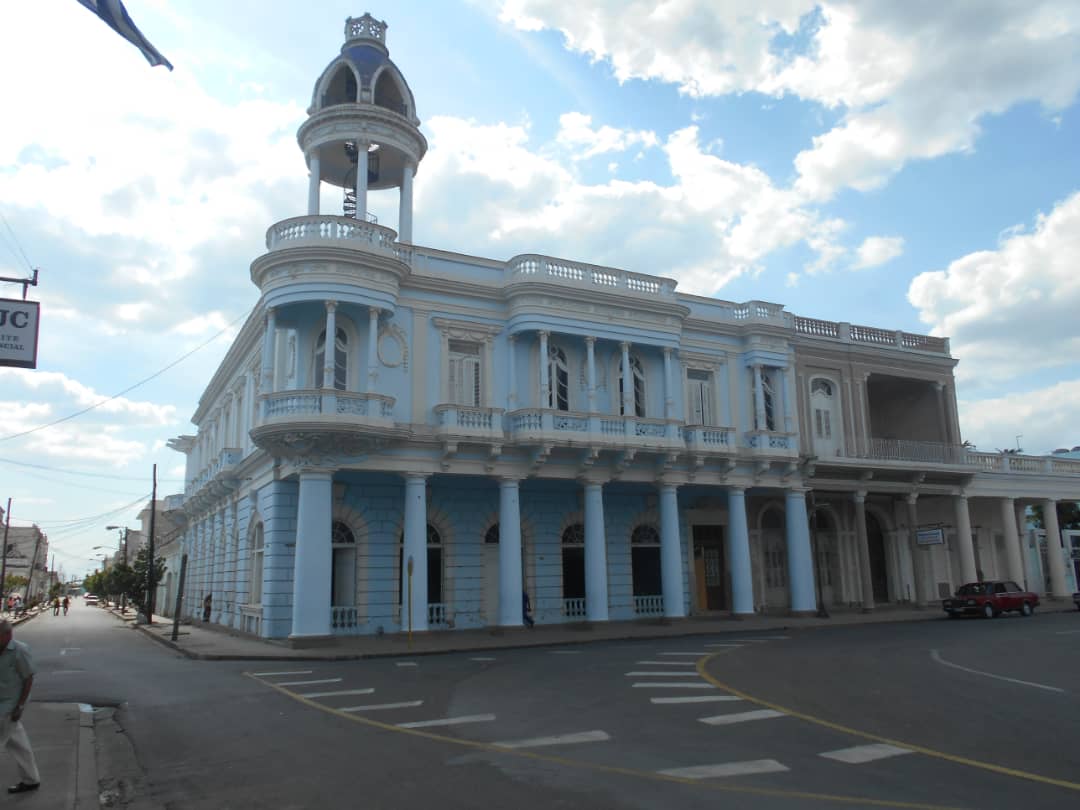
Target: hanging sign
{"x":929,"y":537}
{"x":18,"y":333}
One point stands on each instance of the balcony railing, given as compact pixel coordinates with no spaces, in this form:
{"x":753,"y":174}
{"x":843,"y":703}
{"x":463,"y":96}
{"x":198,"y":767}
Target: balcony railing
{"x":701,"y":438}
{"x":853,"y":333}
{"x":574,"y":608}
{"x":533,"y":266}
{"x":323,"y":229}
{"x":908,"y":450}
{"x":437,"y":614}
{"x":345,"y":619}
{"x":769,"y":441}
{"x":1014,"y":463}
{"x":293,"y":404}
{"x":651,"y":605}
{"x":469,"y":420}
{"x":546,"y":423}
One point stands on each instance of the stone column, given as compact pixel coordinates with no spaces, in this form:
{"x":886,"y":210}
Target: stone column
{"x":800,"y":559}
{"x":917,"y":566}
{"x":759,"y":400}
{"x":1054,"y":554}
{"x":1012,"y":540}
{"x":964,"y":547}
{"x":313,"y":564}
{"x":415,"y":548}
{"x":329,"y":356}
{"x":863,"y":544}
{"x":596,"y":587}
{"x":406,"y":204}
{"x":511,"y":396}
{"x":361,"y":180}
{"x":627,"y":381}
{"x":738,"y":554}
{"x":943,"y":414}
{"x":789,"y":395}
{"x":1032,"y":579}
{"x":313,"y":185}
{"x":671,"y":566}
{"x":669,"y":392}
{"x":590,"y":369}
{"x":510,"y":586}
{"x":266,"y":373}
{"x":545,"y":381}
{"x":373,"y":350}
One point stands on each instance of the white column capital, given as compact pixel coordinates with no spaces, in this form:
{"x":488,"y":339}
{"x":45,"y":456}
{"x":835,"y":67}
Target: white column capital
{"x":859,"y":497}
{"x":544,"y":333}
{"x":912,"y":497}
{"x":331,"y":306}
{"x":590,"y":340}
{"x":624,"y":345}
{"x":511,"y":338}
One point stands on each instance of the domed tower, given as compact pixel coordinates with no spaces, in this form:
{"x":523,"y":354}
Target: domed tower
{"x":362,"y":131}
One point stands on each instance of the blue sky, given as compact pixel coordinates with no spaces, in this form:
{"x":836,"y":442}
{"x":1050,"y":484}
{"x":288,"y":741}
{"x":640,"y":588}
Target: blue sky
{"x":911,"y":166}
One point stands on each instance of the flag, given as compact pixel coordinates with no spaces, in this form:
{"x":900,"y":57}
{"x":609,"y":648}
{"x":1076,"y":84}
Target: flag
{"x":116,"y":17}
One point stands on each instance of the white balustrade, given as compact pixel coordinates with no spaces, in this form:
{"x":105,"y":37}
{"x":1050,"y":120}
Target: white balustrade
{"x":611,"y":278}
{"x":345,"y":619}
{"x":289,"y":404}
{"x":574,"y":608}
{"x":346,"y":231}
{"x":437,"y":614}
{"x":651,"y":605}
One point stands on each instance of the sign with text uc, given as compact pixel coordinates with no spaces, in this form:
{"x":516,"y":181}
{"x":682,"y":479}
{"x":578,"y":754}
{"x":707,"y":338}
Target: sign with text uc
{"x":929,"y":537}
{"x":18,"y":333}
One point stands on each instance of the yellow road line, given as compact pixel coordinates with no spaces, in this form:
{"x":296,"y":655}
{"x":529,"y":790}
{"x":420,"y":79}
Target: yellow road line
{"x":930,"y":752}
{"x":608,"y":769}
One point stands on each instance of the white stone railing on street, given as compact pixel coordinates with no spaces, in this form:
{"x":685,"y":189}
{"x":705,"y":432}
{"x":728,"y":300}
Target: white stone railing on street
{"x":344,"y":231}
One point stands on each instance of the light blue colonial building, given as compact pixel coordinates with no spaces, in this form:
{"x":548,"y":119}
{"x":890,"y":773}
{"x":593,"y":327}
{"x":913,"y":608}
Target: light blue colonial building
{"x":402,"y":435}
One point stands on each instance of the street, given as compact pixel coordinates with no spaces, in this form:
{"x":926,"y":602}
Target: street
{"x":803,"y":717}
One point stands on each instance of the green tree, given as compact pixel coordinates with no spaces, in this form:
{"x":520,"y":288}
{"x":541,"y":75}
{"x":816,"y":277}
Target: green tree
{"x":14,"y":582}
{"x":138,"y":594}
{"x":1068,"y":515}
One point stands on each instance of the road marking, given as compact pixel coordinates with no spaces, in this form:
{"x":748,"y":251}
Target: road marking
{"x":724,"y":644}
{"x":309,"y":683}
{"x":274,"y":674}
{"x":560,"y":739}
{"x":565,"y":652}
{"x":449,"y":721}
{"x":1066,"y":632}
{"x":727,"y":769}
{"x":694,"y":699}
{"x":695,"y":654}
{"x":481,"y":658}
{"x":937,"y":657}
{"x":80,"y":671}
{"x":67,"y":650}
{"x":919,"y":749}
{"x":666,"y":663}
{"x":575,"y":763}
{"x":378,"y":707}
{"x":866,"y":753}
{"x":661,"y":674}
{"x":86,"y":708}
{"x":405,"y":664}
{"x":768,"y":638}
{"x":740,"y":717}
{"x":335,"y":694}
{"x":671,"y":685}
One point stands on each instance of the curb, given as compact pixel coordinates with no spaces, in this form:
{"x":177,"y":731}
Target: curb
{"x":86,"y":785}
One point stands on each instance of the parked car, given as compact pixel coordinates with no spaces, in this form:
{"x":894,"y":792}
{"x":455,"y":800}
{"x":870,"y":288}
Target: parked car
{"x":90,"y":599}
{"x":990,"y":598}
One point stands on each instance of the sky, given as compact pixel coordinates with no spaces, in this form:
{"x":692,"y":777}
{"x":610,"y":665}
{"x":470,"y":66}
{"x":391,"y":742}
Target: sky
{"x":908,"y":166}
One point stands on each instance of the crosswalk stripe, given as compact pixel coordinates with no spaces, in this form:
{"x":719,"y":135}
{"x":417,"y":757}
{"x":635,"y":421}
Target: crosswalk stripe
{"x":671,"y":685}
{"x":481,"y":658}
{"x":685,"y":653}
{"x":449,"y":721}
{"x":405,"y":663}
{"x":724,"y":645}
{"x":308,"y":683}
{"x":273,"y":674}
{"x":740,"y":717}
{"x":564,"y":652}
{"x":694,"y":699}
{"x":378,"y":707}
{"x":768,"y":638}
{"x":662,"y":674}
{"x":666,"y":663}
{"x":559,"y":739}
{"x":866,"y":753}
{"x":727,"y":769}
{"x":367,"y":691}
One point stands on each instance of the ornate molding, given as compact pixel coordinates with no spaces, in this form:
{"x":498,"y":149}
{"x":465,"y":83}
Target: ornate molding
{"x":393,"y":347}
{"x":467,"y":330}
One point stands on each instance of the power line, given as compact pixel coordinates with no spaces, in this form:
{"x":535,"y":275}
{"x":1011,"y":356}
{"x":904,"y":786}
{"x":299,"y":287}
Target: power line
{"x":63,"y":525}
{"x":68,"y":484}
{"x":81,"y":472}
{"x":156,"y":374}
{"x":16,"y":240}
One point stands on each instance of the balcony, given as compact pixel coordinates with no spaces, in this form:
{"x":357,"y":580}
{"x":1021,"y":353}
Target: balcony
{"x":300,"y":423}
{"x":1029,"y":465}
{"x":325,"y":231}
{"x":533,"y":267}
{"x":707,"y":439}
{"x":595,"y":430}
{"x":852,"y":333}
{"x":772,"y":443}
{"x":327,"y":405}
{"x":467,"y":421}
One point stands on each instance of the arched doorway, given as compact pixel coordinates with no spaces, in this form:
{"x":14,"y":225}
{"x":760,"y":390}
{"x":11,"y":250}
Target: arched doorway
{"x":343,"y":566}
{"x":436,"y":608}
{"x":573,"y":570}
{"x":645,"y":570}
{"x":774,"y":554}
{"x":879,"y":569}
{"x":823,"y":537}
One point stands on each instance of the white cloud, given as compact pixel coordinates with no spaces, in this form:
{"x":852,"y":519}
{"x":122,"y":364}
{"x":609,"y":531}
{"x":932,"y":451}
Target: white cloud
{"x":1014,"y":308}
{"x":1044,"y":418}
{"x":876,"y":250}
{"x":912,"y":83}
{"x":60,"y":387}
{"x":576,"y":133}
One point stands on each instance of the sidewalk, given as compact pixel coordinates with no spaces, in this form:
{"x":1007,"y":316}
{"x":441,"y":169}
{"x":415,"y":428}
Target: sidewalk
{"x":213,"y":642}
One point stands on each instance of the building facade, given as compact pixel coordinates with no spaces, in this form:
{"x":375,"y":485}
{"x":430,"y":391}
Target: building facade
{"x":402,"y":436}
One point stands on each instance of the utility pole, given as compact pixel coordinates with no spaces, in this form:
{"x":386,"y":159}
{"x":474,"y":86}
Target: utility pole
{"x":3,"y":566}
{"x":30,"y":575}
{"x":151,"y":567}
{"x":179,"y":598}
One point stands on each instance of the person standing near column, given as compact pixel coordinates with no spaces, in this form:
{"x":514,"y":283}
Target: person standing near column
{"x":16,"y":680}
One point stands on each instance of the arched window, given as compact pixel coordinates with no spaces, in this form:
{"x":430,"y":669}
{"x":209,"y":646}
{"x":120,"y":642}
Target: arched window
{"x":343,"y":568}
{"x":645,"y":560}
{"x":341,"y":359}
{"x":637,"y":370}
{"x":558,"y":379}
{"x":434,"y":565}
{"x":823,"y":405}
{"x":388,"y":94}
{"x":255,"y":583}
{"x":573,"y":561}
{"x":342,"y":88}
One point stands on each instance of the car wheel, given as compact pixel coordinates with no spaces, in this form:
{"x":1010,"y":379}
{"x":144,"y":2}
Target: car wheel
{"x":1026,"y":609}
{"x":988,"y":611}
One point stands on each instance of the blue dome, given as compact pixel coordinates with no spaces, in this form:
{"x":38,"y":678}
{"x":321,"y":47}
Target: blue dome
{"x":366,"y":58}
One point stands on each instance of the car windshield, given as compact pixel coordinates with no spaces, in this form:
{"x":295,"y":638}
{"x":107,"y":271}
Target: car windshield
{"x":975,"y":588}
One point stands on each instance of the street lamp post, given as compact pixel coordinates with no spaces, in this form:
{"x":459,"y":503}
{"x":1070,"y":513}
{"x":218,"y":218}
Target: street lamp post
{"x":123,"y":594}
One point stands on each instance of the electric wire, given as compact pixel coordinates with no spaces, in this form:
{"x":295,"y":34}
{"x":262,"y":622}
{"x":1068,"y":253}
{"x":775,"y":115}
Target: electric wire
{"x":86,"y":472}
{"x":156,"y":374}
{"x":17,"y":244}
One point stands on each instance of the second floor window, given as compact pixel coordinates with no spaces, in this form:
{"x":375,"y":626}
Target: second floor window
{"x":768,"y":397}
{"x":637,"y":371}
{"x":699,"y":399}
{"x":464,"y":373}
{"x":341,"y":359}
{"x":558,"y":379}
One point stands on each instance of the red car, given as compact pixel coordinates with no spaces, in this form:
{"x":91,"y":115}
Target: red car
{"x":990,"y":599}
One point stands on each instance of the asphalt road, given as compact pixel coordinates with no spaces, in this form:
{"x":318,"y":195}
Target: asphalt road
{"x":744,"y":721}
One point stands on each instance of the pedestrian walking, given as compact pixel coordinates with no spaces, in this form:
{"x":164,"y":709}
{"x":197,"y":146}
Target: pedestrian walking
{"x":67,"y":604}
{"x":16,"y":680}
{"x":526,"y":609}
{"x":56,"y":606}
{"x":206,"y":605}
